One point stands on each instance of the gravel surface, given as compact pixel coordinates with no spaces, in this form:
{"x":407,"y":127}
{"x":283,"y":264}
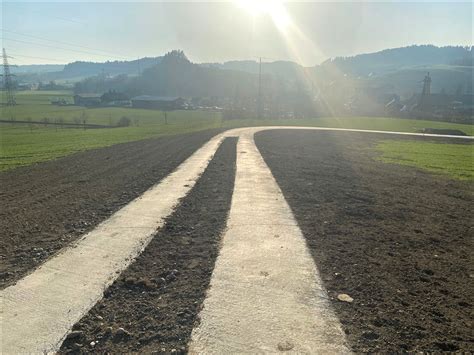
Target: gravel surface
{"x":393,"y":244}
{"x":48,"y":205}
{"x":154,"y":304}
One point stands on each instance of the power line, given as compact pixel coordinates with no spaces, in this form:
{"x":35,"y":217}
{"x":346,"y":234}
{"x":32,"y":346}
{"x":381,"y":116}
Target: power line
{"x":56,"y":47}
{"x":60,"y":42}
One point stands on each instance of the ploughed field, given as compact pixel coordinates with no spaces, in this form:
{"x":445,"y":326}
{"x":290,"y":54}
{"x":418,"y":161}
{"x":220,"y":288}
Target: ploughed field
{"x":395,"y":238}
{"x":48,"y":205}
{"x":398,"y":240}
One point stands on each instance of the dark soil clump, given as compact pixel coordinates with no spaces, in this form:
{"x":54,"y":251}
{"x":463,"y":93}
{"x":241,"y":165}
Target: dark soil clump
{"x":396,"y":239}
{"x":153,"y":306}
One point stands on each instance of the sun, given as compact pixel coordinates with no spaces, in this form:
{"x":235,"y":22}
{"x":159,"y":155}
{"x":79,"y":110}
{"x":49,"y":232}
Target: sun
{"x":273,"y":8}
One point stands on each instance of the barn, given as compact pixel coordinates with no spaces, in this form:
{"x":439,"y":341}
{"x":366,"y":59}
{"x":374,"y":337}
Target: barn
{"x":158,"y":102}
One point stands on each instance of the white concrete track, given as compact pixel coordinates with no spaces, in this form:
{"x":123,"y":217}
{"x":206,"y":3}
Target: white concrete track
{"x":265,"y":293}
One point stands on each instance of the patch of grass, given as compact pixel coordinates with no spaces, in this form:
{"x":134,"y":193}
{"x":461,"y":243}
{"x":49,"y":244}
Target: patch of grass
{"x":454,"y":160}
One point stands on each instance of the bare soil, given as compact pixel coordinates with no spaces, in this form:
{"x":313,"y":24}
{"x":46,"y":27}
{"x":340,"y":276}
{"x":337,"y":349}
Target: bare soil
{"x":156,"y":301}
{"x":398,"y":240}
{"x":46,"y":206}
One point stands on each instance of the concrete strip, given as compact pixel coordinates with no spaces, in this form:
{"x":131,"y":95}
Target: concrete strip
{"x":265,"y":294}
{"x":40,"y":309}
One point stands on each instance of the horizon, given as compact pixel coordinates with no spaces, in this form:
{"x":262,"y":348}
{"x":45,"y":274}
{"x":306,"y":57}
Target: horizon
{"x":244,"y":59}
{"x":305,"y":33}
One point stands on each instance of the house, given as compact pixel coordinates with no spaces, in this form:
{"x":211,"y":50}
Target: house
{"x":87,"y":100}
{"x":165,"y":103}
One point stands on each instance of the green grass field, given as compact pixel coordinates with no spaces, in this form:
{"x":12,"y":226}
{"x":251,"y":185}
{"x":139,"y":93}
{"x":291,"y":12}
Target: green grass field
{"x":27,"y":144}
{"x":453,"y":160}
{"x":37,"y":105}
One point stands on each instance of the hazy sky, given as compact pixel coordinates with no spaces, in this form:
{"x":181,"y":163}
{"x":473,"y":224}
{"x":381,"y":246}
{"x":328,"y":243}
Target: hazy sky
{"x":306,"y":32}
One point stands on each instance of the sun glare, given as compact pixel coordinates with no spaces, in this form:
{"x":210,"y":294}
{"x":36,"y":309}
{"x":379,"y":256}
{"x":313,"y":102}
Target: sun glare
{"x":273,"y":8}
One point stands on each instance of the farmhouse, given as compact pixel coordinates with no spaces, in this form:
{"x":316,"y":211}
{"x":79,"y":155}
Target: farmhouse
{"x":158,"y":102}
{"x":87,"y":100}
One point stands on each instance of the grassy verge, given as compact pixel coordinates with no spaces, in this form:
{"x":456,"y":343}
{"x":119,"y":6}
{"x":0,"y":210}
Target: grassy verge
{"x":453,"y":160}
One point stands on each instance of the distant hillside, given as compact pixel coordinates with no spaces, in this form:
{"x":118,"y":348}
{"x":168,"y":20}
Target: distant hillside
{"x":398,"y":58}
{"x":384,"y":74}
{"x":400,"y":71}
{"x":36,"y":68}
{"x":175,"y":75}
{"x":76,"y":69}
{"x":388,"y":60}
{"x":80,"y":70}
{"x":445,"y":78}
{"x":371,"y":66}
{"x":397,"y":70}
{"x":282,"y":69}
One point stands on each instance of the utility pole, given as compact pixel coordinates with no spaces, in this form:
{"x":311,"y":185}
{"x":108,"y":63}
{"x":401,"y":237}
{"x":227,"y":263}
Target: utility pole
{"x":259,"y":99}
{"x":7,"y":81}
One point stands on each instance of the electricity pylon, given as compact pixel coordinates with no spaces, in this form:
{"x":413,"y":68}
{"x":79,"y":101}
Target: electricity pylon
{"x":7,"y":81}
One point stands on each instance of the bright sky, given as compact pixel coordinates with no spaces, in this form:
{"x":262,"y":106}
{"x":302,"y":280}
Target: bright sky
{"x":306,"y":32}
